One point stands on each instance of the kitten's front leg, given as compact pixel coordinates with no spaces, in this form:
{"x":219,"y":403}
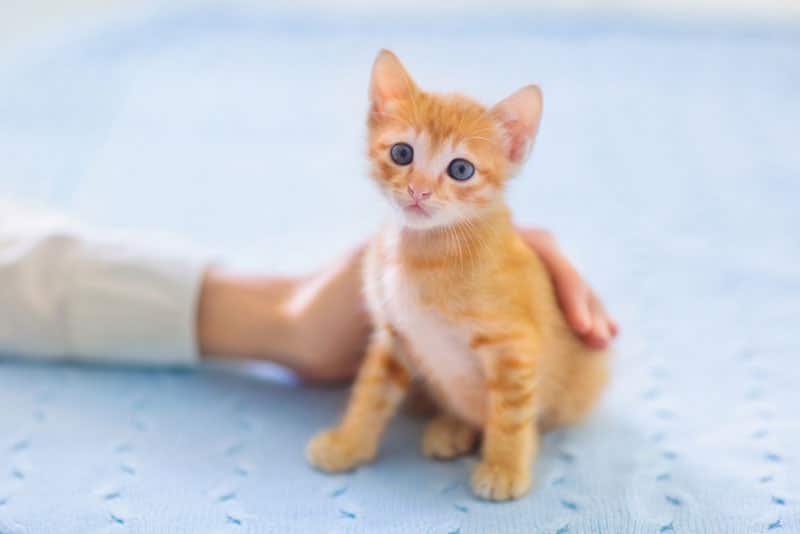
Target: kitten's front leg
{"x":379,"y":389}
{"x":510,"y":437}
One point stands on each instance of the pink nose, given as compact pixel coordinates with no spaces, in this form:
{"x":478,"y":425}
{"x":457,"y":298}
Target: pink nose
{"x":418,"y":195}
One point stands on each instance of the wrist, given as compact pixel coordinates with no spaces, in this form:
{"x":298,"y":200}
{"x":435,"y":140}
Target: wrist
{"x":245,"y":317}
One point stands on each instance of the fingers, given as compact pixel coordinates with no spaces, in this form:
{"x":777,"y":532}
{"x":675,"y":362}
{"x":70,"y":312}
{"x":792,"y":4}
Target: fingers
{"x":583,"y":310}
{"x":603,"y":328}
{"x":574,"y":298}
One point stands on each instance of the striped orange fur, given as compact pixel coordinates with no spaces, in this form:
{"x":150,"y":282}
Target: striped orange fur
{"x":457,"y":299}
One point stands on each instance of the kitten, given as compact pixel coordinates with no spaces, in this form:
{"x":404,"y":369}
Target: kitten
{"x":456,"y":297}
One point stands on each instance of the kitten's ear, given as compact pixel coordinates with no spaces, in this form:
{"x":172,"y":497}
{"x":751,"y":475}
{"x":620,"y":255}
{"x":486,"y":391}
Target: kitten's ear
{"x":390,"y":81}
{"x":519,"y":116}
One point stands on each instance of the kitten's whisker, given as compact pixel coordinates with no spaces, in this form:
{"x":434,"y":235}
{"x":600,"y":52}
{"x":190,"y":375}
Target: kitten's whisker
{"x":453,"y":242}
{"x":458,"y":243}
{"x":477,"y":236}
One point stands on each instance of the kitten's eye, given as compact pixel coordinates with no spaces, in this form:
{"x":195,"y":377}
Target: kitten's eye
{"x":460,"y":169}
{"x":402,"y":153}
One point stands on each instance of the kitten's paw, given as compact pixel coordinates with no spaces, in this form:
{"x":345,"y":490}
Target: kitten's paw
{"x":334,"y":452}
{"x":498,"y":482}
{"x":446,"y":437}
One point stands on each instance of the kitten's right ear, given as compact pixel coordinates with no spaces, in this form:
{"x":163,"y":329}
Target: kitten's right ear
{"x":390,"y":81}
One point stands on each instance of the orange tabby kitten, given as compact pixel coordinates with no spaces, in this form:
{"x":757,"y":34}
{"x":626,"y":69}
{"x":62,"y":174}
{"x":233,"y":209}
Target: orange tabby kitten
{"x":456,"y":297}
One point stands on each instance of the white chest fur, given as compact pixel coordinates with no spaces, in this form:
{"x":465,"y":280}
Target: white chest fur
{"x":438,"y":348}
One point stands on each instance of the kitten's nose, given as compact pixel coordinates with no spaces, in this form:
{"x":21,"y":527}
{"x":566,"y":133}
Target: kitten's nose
{"x":417,"y":194}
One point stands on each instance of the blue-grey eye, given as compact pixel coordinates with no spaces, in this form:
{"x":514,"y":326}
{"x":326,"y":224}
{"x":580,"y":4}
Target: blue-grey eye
{"x":402,"y":153}
{"x":460,"y":169}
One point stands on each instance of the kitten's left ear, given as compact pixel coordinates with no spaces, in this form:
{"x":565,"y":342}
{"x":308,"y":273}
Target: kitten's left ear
{"x":519,"y":116}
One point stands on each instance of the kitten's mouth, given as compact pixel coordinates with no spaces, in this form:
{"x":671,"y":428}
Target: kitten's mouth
{"x":417,"y":209}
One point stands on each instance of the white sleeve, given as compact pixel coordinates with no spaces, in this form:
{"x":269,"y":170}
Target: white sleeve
{"x":69,"y":291}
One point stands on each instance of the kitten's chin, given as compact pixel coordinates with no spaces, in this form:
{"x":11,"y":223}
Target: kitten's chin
{"x":422,"y":217}
{"x":423,"y":221}
{"x":418,"y":223}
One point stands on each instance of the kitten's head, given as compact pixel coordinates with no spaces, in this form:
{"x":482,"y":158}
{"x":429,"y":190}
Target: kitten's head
{"x":441,"y":159}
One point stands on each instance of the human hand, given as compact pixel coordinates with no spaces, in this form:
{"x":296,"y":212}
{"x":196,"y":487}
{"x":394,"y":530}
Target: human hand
{"x":582,"y":308}
{"x":316,"y":325}
{"x":329,"y":320}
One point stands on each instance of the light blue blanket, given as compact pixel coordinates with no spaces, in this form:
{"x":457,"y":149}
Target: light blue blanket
{"x":668,"y":165}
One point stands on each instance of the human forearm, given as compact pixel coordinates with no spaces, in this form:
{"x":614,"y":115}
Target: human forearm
{"x":315,"y":324}
{"x":245,"y":316}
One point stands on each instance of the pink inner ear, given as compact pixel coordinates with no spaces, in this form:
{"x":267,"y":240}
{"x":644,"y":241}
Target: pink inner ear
{"x":518,"y":144}
{"x":519,"y":116}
